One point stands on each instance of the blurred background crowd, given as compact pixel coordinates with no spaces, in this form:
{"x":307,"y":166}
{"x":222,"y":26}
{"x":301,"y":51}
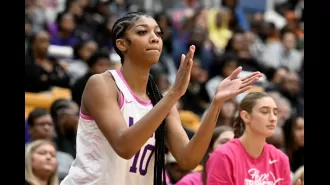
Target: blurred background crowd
{"x":67,"y":41}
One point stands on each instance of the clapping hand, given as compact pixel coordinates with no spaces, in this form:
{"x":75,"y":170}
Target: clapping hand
{"x":183,"y":75}
{"x":232,"y":86}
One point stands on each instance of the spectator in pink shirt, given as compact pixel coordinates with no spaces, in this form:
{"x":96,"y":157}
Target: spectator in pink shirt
{"x":249,"y":159}
{"x":221,"y":135}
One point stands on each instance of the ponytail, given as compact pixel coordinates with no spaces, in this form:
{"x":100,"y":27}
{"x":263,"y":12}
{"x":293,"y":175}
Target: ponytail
{"x":239,"y":126}
{"x":159,"y":169}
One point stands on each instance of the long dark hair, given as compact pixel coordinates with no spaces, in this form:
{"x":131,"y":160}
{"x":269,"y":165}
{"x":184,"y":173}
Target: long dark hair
{"x":288,"y":130}
{"x":118,"y":31}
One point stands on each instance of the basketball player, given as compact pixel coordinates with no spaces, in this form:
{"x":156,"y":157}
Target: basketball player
{"x":121,"y":133}
{"x":249,"y":159}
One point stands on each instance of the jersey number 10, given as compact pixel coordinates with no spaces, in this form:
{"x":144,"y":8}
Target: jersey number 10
{"x":134,"y":167}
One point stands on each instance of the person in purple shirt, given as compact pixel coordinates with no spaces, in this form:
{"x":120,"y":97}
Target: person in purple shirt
{"x":65,"y":34}
{"x":27,"y":134}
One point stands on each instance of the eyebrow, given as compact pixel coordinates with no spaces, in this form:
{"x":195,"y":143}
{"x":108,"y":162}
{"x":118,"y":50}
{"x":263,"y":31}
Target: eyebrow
{"x":266,"y":107}
{"x":145,"y":25}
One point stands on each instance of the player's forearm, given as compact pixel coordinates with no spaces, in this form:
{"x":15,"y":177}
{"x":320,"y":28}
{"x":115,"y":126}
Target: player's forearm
{"x":138,"y":134}
{"x":200,"y":142}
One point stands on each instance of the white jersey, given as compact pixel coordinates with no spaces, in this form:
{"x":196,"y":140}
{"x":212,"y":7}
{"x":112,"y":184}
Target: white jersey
{"x":97,"y":163}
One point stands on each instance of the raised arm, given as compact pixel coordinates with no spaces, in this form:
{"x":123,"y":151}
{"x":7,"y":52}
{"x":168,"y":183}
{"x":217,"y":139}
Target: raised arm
{"x":178,"y":141}
{"x":100,"y":100}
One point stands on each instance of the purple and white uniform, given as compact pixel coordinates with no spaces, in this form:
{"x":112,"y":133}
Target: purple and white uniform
{"x":97,"y":163}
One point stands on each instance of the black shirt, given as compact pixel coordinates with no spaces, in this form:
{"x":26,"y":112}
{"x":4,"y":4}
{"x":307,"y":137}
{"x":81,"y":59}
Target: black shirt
{"x":37,"y":79}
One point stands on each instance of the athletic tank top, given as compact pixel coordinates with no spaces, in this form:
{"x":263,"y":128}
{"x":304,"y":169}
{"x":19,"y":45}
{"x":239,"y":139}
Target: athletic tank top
{"x":96,"y":161}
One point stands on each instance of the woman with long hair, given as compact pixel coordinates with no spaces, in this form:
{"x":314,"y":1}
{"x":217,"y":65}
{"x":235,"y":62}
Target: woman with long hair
{"x":248,"y":159}
{"x":294,"y":144}
{"x":125,"y":121}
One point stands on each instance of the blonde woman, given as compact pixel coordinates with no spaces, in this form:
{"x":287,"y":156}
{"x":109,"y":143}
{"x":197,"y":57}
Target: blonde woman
{"x":41,"y":163}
